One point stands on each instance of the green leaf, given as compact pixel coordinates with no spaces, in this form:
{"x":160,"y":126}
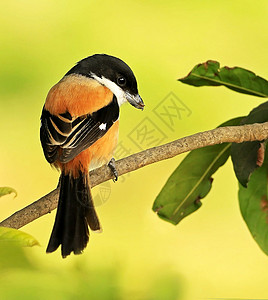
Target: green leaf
{"x":191,"y":181}
{"x":258,"y":115}
{"x":248,"y":156}
{"x":7,"y":190}
{"x":253,"y":202}
{"x":237,"y":79}
{"x":18,"y":237}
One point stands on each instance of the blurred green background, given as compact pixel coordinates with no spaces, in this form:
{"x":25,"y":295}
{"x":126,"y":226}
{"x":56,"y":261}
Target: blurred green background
{"x":210,"y":254}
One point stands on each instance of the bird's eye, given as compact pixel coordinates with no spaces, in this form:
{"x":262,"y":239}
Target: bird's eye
{"x":121,"y":81}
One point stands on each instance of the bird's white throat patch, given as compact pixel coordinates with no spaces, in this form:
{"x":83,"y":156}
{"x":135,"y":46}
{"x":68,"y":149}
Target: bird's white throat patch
{"x":116,"y":90}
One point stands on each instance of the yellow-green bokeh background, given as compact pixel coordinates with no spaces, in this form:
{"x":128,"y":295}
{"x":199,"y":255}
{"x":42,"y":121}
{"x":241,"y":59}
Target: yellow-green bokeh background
{"x":210,"y":254}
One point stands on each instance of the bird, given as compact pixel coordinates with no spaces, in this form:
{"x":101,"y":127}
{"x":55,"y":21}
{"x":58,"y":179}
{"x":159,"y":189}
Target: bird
{"x":78,"y":132}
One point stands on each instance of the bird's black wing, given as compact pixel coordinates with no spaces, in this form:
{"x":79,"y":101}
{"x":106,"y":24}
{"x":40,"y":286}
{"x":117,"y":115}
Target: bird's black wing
{"x":73,"y":135}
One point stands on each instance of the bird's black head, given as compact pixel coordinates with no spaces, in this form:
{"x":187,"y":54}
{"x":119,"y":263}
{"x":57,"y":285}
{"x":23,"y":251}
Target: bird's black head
{"x":114,"y":74}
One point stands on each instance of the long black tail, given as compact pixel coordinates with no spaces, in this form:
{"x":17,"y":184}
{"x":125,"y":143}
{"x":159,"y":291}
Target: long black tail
{"x":74,"y":214}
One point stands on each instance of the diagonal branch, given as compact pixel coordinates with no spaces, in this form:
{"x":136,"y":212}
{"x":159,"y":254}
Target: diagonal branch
{"x":232,"y":134}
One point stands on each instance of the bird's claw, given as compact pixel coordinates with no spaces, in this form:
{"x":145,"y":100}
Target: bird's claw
{"x":111,"y":165}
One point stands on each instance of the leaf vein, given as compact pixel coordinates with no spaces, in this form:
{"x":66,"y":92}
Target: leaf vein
{"x":201,"y":178}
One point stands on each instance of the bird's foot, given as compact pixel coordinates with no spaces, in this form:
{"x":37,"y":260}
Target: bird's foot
{"x":111,"y":165}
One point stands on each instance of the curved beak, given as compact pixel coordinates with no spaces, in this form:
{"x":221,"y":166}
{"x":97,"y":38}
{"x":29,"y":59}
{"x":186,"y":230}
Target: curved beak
{"x":135,"y":100}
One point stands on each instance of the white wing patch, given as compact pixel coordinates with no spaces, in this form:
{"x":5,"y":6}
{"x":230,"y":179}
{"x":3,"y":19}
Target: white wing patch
{"x":103,"y":126}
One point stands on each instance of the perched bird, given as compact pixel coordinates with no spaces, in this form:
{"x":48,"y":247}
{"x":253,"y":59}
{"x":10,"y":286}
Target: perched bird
{"x":79,"y":131}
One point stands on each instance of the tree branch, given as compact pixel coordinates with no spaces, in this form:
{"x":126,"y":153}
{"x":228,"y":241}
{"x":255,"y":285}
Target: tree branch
{"x":232,"y":134}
